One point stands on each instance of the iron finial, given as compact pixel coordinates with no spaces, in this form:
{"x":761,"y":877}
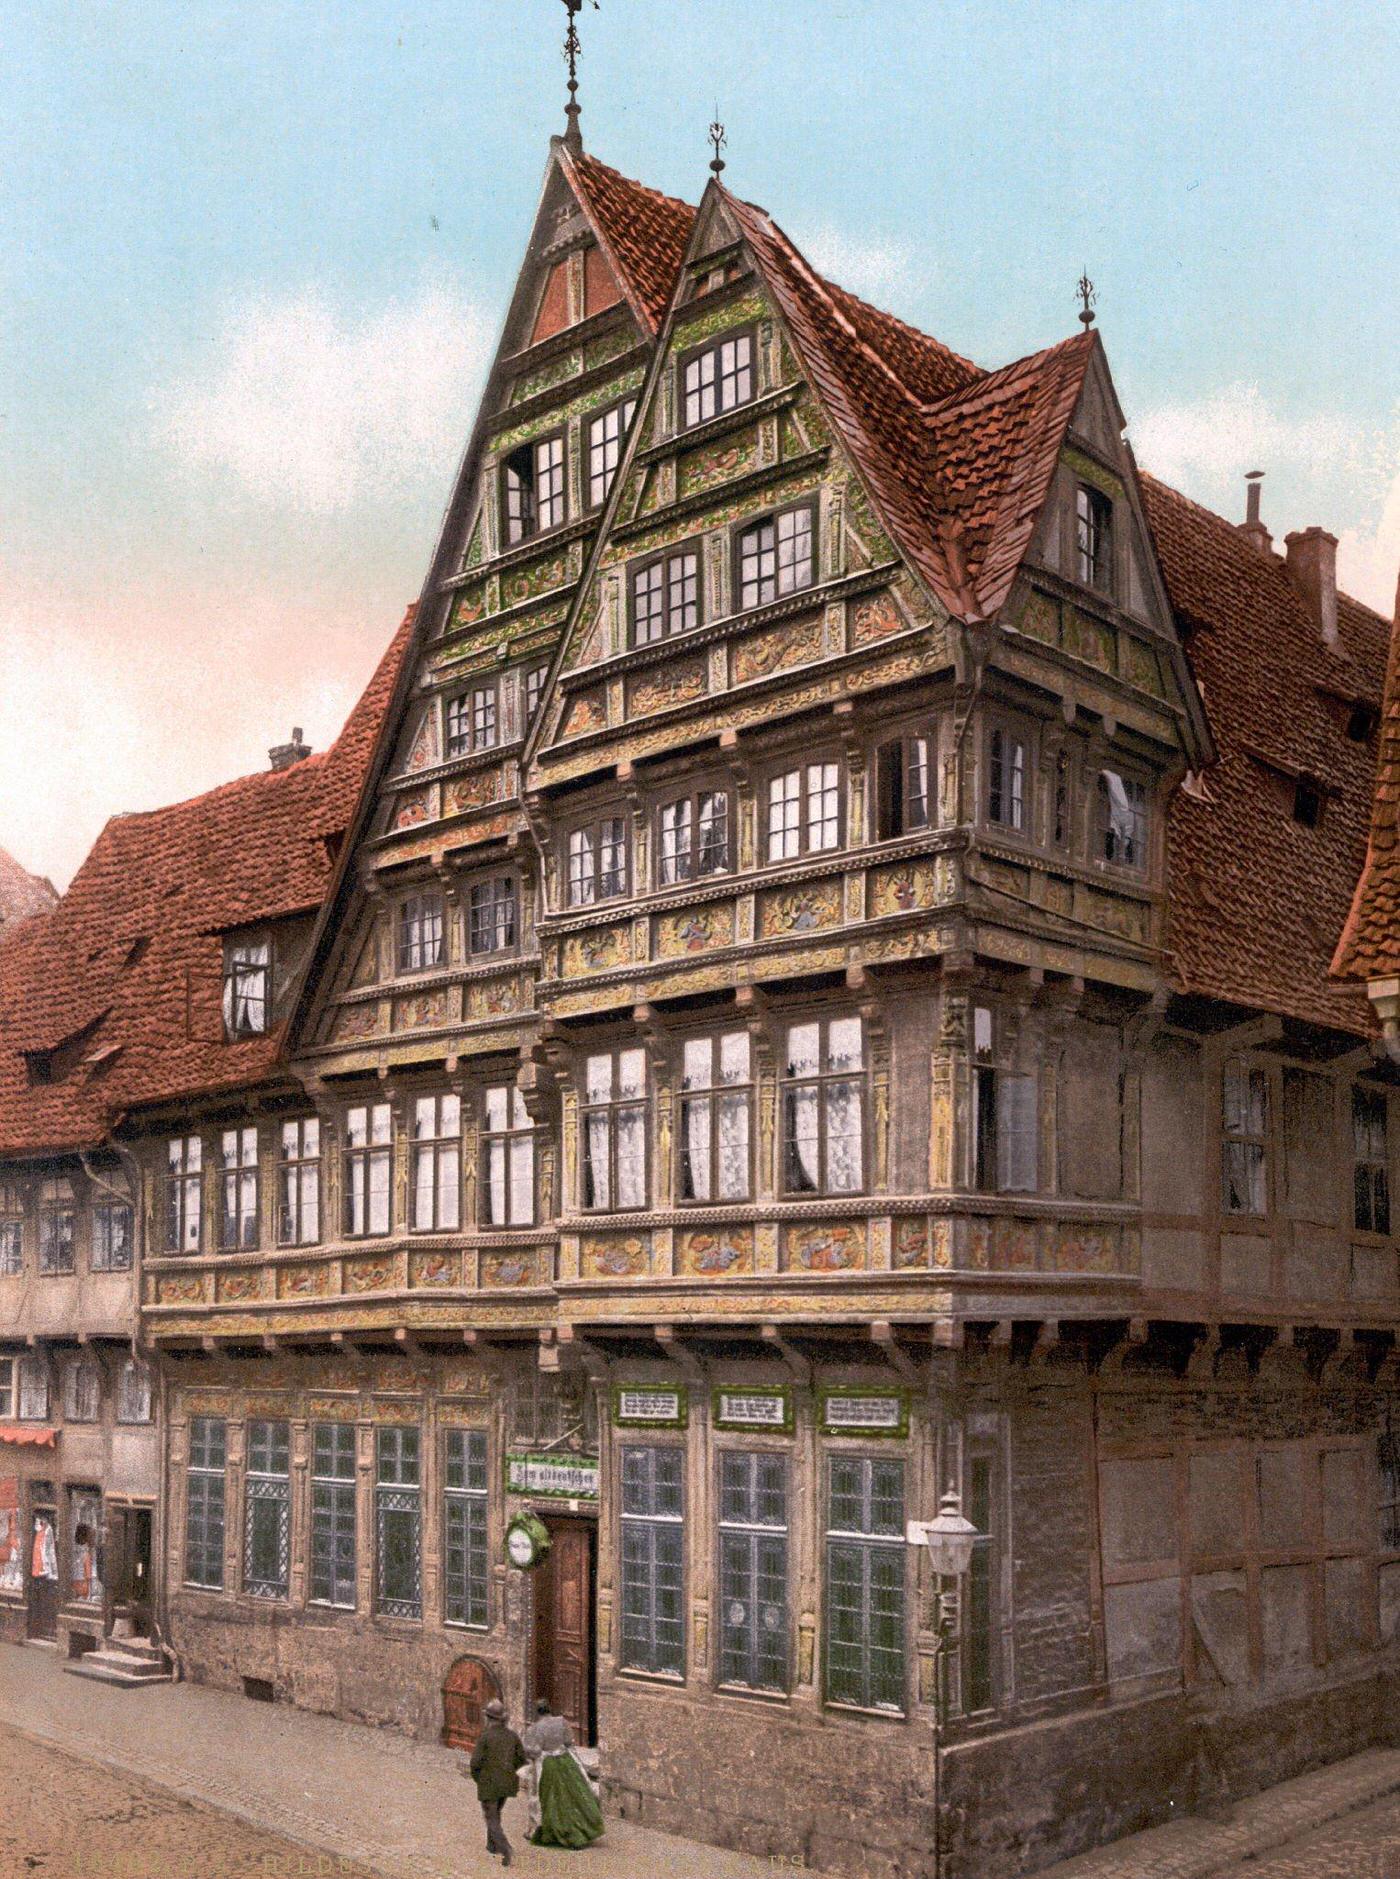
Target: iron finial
{"x":719,"y":140}
{"x":1087,"y":296}
{"x":573,"y":48}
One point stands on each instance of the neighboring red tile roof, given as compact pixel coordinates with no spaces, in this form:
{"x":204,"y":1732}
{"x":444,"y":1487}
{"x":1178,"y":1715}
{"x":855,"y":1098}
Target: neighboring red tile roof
{"x":643,"y":232}
{"x":21,"y":893}
{"x":130,"y":960}
{"x":1370,"y":943}
{"x":1257,"y":900}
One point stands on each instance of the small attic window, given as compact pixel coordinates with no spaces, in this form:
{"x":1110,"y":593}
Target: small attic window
{"x":1361,"y":723}
{"x":1307,"y":803}
{"x":533,"y":488}
{"x":137,"y":950}
{"x":1093,"y":539}
{"x":247,"y":988}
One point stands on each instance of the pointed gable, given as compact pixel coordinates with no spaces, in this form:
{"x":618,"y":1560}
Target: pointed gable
{"x":642,"y":233}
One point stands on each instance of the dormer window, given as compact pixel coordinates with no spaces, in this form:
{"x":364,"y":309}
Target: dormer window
{"x":1121,"y":832}
{"x":247,"y":987}
{"x":1093,"y":539}
{"x":776,"y":557}
{"x":1307,"y":803}
{"x":420,"y":933}
{"x":717,"y":379}
{"x":534,"y":488}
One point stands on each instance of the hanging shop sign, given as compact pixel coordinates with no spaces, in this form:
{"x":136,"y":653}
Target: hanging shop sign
{"x":642,"y":1406}
{"x":768,"y":1406}
{"x":553,"y":1477}
{"x":527,"y":1541}
{"x":856,"y":1411}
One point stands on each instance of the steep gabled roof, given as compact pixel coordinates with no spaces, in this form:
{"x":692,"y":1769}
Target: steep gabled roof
{"x":642,"y":232}
{"x":1257,"y":899}
{"x":1370,"y":942}
{"x":119,"y":987}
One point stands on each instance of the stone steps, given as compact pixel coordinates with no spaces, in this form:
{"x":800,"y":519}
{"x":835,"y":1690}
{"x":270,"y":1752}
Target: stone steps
{"x":127,"y":1662}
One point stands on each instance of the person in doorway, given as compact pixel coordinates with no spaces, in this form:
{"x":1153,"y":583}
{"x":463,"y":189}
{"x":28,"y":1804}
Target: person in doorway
{"x":498,"y":1755}
{"x":569,"y":1814}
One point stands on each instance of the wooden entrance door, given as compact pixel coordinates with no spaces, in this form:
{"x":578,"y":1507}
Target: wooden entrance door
{"x":43,"y":1573}
{"x":564,"y":1599}
{"x":468,"y":1687}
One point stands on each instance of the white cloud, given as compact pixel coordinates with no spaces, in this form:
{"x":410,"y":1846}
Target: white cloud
{"x":875,"y":269}
{"x":302,"y":405}
{"x":1320,"y":469}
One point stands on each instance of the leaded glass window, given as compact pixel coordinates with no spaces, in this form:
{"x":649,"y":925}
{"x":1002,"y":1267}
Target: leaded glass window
{"x":238,"y":1180}
{"x":823,"y":1103}
{"x":865,"y":1645}
{"x":753,"y":1570}
{"x":369,"y":1135}
{"x":716,"y":1117}
{"x":1245,"y":1115}
{"x":111,"y":1236}
{"x":204,"y":1503}
{"x":653,"y":1617}
{"x":398,"y":1524}
{"x":466,"y":1571}
{"x":437,"y":1163}
{"x":508,"y":1159}
{"x":299,"y":1183}
{"x":184,"y":1188}
{"x":56,"y":1219}
{"x":333,"y":1514}
{"x":614,"y":1130}
{"x":267,"y":1510}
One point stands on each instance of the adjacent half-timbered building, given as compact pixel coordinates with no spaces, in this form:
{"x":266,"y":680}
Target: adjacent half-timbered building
{"x":822,"y":1006}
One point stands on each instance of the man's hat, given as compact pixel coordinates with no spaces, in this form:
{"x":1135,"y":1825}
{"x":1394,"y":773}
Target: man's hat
{"x":496,"y":1709}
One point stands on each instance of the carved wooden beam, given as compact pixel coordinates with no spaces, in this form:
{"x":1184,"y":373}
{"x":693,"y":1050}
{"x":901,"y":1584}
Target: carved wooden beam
{"x":798,"y":1366}
{"x":882,"y":1336}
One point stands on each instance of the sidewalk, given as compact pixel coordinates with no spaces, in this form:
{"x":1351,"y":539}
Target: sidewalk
{"x":1198,"y":1848}
{"x":400,"y":1808}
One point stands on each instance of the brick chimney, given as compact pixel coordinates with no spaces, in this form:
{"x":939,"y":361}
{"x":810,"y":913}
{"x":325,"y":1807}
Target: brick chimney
{"x":1312,"y":568}
{"x":1252,"y":528}
{"x":283,"y":756}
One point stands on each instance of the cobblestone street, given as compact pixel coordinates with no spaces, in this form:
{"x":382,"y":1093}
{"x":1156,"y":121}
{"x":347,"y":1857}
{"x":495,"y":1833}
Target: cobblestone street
{"x":1363,"y":1845}
{"x":63,"y":1818}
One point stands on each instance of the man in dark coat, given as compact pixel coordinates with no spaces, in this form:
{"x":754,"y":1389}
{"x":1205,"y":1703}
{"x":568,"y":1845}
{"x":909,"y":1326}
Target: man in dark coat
{"x":499,"y":1752}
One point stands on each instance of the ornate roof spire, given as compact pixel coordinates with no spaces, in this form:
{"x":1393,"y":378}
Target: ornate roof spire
{"x":719,"y":140}
{"x":1084,"y":287}
{"x":573,"y":47}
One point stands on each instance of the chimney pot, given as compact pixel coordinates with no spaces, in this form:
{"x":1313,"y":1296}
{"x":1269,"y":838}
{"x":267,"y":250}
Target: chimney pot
{"x":283,"y":756}
{"x":1252,"y":528}
{"x":1312,"y":568}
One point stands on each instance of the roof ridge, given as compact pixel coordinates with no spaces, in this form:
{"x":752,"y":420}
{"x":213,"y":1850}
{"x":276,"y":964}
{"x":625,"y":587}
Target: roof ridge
{"x":990,"y":378}
{"x":586,"y":157}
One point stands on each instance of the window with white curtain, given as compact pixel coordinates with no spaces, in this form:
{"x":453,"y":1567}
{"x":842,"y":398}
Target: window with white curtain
{"x":507,"y":1159}
{"x":247,"y":986}
{"x":804,"y":810}
{"x":437,"y":1163}
{"x":823,"y":1106}
{"x":369,"y":1149}
{"x":716,"y":1111}
{"x":614,"y":1130}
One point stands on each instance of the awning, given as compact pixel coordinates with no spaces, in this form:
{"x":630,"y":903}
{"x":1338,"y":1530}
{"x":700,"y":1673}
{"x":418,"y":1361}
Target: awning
{"x":29,"y":1438}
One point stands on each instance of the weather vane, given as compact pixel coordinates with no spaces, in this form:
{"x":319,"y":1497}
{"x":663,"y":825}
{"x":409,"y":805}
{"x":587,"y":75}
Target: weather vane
{"x":572,"y":49}
{"x":1087,"y":297}
{"x":719,"y":140}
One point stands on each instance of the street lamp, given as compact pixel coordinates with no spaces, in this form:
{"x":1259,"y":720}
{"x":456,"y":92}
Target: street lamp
{"x":950,"y":1540}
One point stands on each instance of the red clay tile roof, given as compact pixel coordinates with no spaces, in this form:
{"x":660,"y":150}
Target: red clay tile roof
{"x":130,"y":961}
{"x":1257,"y":900}
{"x":1370,"y":942}
{"x":21,"y":893}
{"x":643,"y":232}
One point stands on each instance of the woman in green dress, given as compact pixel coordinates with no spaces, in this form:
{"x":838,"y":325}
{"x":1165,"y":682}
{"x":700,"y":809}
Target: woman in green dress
{"x":569,"y":1814}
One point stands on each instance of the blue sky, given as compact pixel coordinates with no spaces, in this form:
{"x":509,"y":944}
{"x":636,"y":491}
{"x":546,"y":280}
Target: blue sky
{"x":255,"y":254}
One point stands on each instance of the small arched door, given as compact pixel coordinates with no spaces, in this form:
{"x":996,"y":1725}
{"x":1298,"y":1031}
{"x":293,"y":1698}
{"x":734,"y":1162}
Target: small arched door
{"x":468,"y":1687}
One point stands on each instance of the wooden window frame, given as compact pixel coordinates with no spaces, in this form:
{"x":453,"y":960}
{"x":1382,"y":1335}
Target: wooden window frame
{"x":1370,"y":1172}
{"x":328,"y":1520}
{"x":465,"y":740}
{"x":102,"y":1256}
{"x":750,"y":524}
{"x":1094,"y":539}
{"x":610,"y":1109}
{"x":1131,"y":780}
{"x":466,"y":1502}
{"x":821,"y":1080}
{"x":646,"y":1521}
{"x":510,"y":900}
{"x":58,"y":1228}
{"x":627,"y":405}
{"x":1000,"y":788}
{"x":396,"y":1493}
{"x":903,"y":741}
{"x":212,"y":1478}
{"x":688,"y":550}
{"x":693,"y":354}
{"x":270,"y":1487}
{"x":751,"y":1533}
{"x":413,"y":915}
{"x":248,"y":986}
{"x":536,"y":529}
{"x":802,"y":767}
{"x":994,"y":1070}
{"x":367,"y":1154}
{"x":691,"y":799}
{"x":712,"y":1094}
{"x":184,"y":1184}
{"x":438,"y":1148}
{"x":506,"y":1140}
{"x":1246,"y":1138}
{"x":240,"y":1178}
{"x":867,"y":1542}
{"x":592,"y":833}
{"x":291,"y":1181}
